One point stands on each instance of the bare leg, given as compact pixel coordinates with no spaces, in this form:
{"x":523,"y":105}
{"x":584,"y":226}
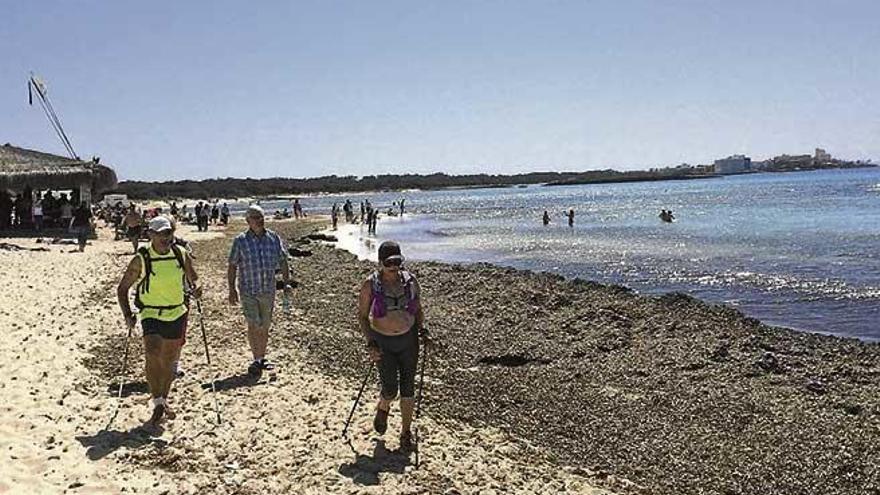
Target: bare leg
{"x":153,"y":358}
{"x":258,"y":338}
{"x":406,"y":413}
{"x":170,"y":349}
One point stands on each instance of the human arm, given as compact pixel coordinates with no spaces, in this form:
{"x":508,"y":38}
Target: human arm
{"x":131,"y":275}
{"x":232,"y":271}
{"x":192,"y":277}
{"x":420,"y":313}
{"x":364,"y":301}
{"x":285,"y":267}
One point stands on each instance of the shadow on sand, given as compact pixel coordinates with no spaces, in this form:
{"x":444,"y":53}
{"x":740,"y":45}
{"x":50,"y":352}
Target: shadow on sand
{"x":365,"y":470}
{"x":128,"y":388}
{"x":106,"y":442}
{"x":238,"y":381}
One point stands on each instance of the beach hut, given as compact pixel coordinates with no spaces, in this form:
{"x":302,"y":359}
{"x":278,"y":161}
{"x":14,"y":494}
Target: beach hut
{"x":24,"y":172}
{"x":21,"y":169}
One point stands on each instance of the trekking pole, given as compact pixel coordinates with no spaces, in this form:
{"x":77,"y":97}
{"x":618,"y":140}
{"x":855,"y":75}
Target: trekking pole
{"x":208,"y":357}
{"x":121,"y":378}
{"x":423,"y":359}
{"x":357,"y":400}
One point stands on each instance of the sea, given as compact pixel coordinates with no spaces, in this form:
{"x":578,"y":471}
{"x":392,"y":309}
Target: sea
{"x":797,"y":249}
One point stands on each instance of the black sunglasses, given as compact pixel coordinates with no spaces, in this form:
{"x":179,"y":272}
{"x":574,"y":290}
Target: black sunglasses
{"x":392,"y":262}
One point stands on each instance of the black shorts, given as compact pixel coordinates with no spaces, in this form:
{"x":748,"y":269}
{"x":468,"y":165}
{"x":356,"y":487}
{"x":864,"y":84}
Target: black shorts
{"x":400,"y":357}
{"x":171,"y":330}
{"x":133,"y":232}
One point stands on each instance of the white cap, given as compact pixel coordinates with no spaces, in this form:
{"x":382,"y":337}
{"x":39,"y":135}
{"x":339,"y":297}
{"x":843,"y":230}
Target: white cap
{"x":255,"y":210}
{"x":160,"y":223}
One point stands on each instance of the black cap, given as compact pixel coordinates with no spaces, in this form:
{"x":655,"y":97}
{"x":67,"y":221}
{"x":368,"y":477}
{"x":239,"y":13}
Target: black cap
{"x":389,"y":249}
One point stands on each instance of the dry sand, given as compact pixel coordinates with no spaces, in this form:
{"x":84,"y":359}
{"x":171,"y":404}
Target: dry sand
{"x":62,"y":351}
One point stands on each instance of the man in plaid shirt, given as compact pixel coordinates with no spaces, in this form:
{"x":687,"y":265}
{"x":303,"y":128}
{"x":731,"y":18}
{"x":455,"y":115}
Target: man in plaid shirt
{"x":256,"y":253}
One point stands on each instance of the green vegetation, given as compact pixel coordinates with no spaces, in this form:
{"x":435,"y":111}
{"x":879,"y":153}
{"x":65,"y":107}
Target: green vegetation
{"x":236,"y":188}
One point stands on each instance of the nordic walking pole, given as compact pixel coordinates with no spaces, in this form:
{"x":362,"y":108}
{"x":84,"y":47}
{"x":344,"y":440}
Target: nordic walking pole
{"x":424,"y":358}
{"x":208,"y":357}
{"x":121,"y":377}
{"x":358,"y":399}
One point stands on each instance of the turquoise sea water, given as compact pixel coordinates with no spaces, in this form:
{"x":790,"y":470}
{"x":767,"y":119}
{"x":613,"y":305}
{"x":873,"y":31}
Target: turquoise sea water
{"x":795,"y":249}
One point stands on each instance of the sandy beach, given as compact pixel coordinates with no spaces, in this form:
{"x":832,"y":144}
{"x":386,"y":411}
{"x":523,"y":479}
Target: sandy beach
{"x":537,"y":384}
{"x":280,"y":434}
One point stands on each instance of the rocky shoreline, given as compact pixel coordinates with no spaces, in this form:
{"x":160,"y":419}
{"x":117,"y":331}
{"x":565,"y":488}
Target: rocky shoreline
{"x":675,"y":395}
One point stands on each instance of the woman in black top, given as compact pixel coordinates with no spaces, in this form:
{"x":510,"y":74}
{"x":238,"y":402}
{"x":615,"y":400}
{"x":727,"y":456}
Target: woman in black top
{"x":81,"y":224}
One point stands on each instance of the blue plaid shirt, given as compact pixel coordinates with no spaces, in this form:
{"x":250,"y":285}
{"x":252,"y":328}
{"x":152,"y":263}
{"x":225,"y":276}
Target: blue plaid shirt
{"x":256,"y":257}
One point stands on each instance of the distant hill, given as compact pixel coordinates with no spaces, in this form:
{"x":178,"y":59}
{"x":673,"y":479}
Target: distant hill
{"x":233,"y":188}
{"x":612,"y":176}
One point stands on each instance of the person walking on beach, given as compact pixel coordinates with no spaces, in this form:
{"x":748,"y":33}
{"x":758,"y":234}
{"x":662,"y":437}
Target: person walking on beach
{"x":254,"y":256}
{"x":361,"y":219}
{"x":392,"y":320}
{"x":546,"y":218}
{"x":161,"y":271}
{"x":81,"y":224}
{"x":374,"y":216}
{"x":224,"y":214}
{"x":571,"y":217}
{"x":334,"y":215}
{"x":37,"y":212}
{"x":133,"y":223}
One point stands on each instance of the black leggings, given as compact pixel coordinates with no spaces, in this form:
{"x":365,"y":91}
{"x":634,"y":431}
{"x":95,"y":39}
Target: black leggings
{"x":400,"y":357}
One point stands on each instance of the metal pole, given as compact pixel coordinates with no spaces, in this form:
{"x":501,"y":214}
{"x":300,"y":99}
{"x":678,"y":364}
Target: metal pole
{"x":357,"y":400}
{"x":423,"y":359}
{"x":121,"y":378}
{"x":208,"y":357}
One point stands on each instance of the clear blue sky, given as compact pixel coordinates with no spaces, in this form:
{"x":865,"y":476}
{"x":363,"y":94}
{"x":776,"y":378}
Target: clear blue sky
{"x":186,"y":89}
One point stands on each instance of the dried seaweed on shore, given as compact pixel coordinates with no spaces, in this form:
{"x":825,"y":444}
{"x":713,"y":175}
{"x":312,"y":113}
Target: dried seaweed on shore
{"x":674,"y":394}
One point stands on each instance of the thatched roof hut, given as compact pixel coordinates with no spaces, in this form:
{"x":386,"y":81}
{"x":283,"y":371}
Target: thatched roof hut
{"x":21,"y":167}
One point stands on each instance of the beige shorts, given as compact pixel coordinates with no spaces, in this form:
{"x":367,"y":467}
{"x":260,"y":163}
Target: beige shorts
{"x":258,"y":308}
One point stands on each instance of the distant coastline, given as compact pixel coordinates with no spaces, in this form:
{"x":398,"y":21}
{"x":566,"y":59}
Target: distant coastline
{"x":290,"y":187}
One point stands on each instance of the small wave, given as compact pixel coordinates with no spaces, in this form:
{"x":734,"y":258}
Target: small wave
{"x":440,"y":233}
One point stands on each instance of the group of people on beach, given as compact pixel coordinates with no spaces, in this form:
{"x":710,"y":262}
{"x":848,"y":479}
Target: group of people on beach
{"x":164,"y":280}
{"x":369,"y":214}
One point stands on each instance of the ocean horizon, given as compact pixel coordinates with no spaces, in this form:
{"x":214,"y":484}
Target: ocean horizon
{"x":791,"y":249}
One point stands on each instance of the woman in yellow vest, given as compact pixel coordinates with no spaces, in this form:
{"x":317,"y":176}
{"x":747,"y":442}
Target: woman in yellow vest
{"x":160,"y":273}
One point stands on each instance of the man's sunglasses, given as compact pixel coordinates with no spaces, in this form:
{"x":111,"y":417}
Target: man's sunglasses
{"x":392,"y":262}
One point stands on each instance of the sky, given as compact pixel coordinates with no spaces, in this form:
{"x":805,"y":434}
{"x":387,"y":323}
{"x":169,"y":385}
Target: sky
{"x":199,"y":89}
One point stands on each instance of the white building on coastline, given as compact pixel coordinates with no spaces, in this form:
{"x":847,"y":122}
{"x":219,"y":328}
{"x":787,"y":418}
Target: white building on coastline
{"x":734,"y":164}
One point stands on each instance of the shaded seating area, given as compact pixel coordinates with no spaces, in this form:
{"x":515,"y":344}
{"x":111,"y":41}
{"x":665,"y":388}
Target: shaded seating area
{"x":38,"y":191}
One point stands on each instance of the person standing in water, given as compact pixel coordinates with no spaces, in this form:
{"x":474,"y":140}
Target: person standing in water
{"x":546,"y":218}
{"x":392,"y":319}
{"x":571,"y":217}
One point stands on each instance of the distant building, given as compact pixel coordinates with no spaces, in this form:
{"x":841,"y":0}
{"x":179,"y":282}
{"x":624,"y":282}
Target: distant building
{"x":822,"y":155}
{"x":735,"y":164}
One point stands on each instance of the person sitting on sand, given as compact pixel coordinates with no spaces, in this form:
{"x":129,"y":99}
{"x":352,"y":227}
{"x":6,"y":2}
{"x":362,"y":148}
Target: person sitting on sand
{"x":391,"y":319}
{"x":254,"y":255}
{"x":133,"y":223}
{"x":161,"y":271}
